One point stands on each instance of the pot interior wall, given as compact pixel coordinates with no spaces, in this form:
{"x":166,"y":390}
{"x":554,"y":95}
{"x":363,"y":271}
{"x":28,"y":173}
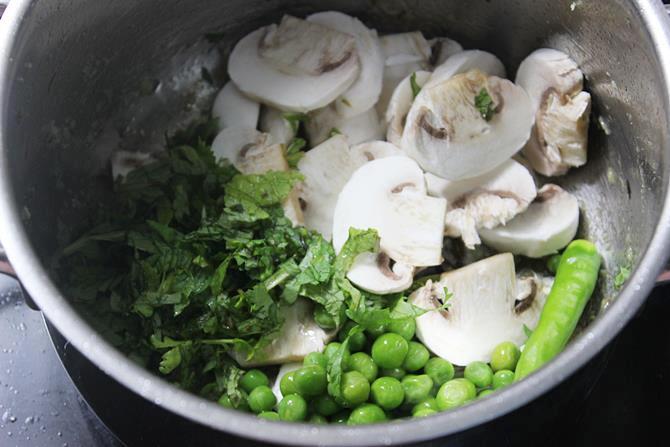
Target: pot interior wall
{"x":91,"y":77}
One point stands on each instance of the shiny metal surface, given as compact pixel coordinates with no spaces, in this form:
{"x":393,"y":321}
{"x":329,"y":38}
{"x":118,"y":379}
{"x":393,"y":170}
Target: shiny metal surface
{"x":79,"y":78}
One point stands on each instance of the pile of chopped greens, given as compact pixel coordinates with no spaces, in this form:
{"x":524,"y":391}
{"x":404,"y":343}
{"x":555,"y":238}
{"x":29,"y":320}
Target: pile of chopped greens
{"x":194,"y":259}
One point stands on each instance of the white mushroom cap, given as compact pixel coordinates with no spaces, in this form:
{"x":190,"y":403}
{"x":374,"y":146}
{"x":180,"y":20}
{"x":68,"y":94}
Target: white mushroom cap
{"x":399,"y":105}
{"x":123,"y":162}
{"x":393,"y":75}
{"x":232,"y":109}
{"x":253,"y":152}
{"x":297,"y":66}
{"x":298,"y":336}
{"x":365,"y":91}
{"x":404,"y":54}
{"x":357,"y":129}
{"x":373,"y":272}
{"x":388,"y":195}
{"x":548,"y":225}
{"x":447,"y":135}
{"x":403,"y":48}
{"x":327,"y":168}
{"x":464,"y":61}
{"x":273,"y":122}
{"x":481,"y":312}
{"x":554,"y":83}
{"x":234,"y":143}
{"x":485,"y":201}
{"x":285,"y":369}
{"x":532,"y":290}
{"x":442,"y":48}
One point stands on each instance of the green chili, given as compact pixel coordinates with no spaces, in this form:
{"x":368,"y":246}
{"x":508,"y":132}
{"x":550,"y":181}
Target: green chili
{"x":576,"y":278}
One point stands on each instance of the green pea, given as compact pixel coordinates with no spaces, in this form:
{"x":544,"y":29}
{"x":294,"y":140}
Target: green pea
{"x":325,"y":405}
{"x":429,"y":403}
{"x":269,"y":415}
{"x":317,"y":419}
{"x":416,"y":388}
{"x":357,"y":341}
{"x":376,"y":331}
{"x":225,"y":401}
{"x":424,"y":412}
{"x":389,"y":351}
{"x":316,"y":358}
{"x":323,"y":318}
{"x":340,"y":418}
{"x":387,"y":392}
{"x":396,"y":373}
{"x":552,"y":263}
{"x":366,"y":414}
{"x":454,"y":393}
{"x":502,"y":378}
{"x":364,"y":364}
{"x":261,"y":399}
{"x":287,"y":384}
{"x":355,"y":388}
{"x":440,"y":370}
{"x":310,"y":380}
{"x":417,"y":357}
{"x":505,"y":356}
{"x":405,"y":327}
{"x":292,"y":408}
{"x":479,"y":373}
{"x":252,"y":379}
{"x":484,"y":393}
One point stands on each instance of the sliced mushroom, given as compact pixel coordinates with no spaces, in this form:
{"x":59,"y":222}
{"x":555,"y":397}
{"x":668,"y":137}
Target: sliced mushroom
{"x":554,"y":83}
{"x":327,"y":168}
{"x":532,"y":290}
{"x":389,"y":195}
{"x":399,"y":105}
{"x":234,"y":143}
{"x":403,"y":48}
{"x":548,"y":225}
{"x":285,"y":369}
{"x":365,"y":91}
{"x":298,"y":336}
{"x":273,"y":122}
{"x":376,"y":273}
{"x":323,"y":123}
{"x":404,"y":54}
{"x":465,"y":61}
{"x":485,"y":201}
{"x":482,"y":311}
{"x":442,"y":48}
{"x":123,"y":162}
{"x":253,"y":152}
{"x":232,"y":109}
{"x":297,"y":66}
{"x":449,"y":136}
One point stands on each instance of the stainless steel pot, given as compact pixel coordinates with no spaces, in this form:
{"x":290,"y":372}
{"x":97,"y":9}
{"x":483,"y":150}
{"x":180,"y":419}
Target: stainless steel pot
{"x":79,"y":78}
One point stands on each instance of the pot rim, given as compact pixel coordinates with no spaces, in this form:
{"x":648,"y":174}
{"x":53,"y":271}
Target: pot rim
{"x":57,"y":309}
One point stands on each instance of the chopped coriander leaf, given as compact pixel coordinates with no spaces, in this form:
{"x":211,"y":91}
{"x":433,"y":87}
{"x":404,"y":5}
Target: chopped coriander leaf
{"x":484,"y":103}
{"x":294,"y":152}
{"x":621,"y":277}
{"x":334,"y":131}
{"x":294,"y":120}
{"x":416,"y":88}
